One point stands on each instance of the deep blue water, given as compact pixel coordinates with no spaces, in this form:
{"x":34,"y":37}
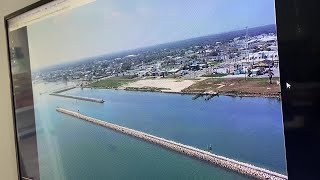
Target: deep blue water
{"x":245,"y":129}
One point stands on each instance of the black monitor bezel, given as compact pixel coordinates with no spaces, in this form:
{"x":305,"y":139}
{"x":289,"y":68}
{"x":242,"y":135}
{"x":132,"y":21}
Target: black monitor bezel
{"x":283,"y":76}
{"x":13,"y":106}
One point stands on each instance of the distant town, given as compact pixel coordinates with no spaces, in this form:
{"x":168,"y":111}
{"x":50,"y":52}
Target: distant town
{"x":228,"y":58}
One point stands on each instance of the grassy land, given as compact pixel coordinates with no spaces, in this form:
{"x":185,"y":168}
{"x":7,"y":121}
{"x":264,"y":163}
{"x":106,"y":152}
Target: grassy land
{"x":237,"y":86}
{"x":112,"y":82}
{"x":213,"y":75}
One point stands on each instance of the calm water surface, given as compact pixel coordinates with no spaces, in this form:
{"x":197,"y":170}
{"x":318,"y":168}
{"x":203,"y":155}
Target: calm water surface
{"x":245,"y":129}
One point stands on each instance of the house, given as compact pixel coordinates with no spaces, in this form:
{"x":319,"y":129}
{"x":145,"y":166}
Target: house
{"x":194,"y":67}
{"x":202,"y":66}
{"x":189,"y":52}
{"x":142,"y":73}
{"x":173,"y":71}
{"x":182,"y":60}
{"x":222,"y":71}
{"x":264,"y":64}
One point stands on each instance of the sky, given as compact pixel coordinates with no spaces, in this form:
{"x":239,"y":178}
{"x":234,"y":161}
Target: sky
{"x":108,"y":26}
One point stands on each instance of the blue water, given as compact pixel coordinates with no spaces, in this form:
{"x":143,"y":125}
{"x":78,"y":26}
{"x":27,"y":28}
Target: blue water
{"x":245,"y":129}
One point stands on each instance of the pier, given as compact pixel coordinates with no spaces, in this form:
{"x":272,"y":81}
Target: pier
{"x":209,"y":95}
{"x":79,"y":98}
{"x":196,"y":96}
{"x":237,"y":166}
{"x":63,"y":90}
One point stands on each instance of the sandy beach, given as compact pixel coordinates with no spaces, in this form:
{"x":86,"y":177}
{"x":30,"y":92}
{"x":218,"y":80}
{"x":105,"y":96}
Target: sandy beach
{"x":168,"y":85}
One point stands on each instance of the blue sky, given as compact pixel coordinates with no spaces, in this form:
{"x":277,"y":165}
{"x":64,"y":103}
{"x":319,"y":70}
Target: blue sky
{"x":108,"y":26}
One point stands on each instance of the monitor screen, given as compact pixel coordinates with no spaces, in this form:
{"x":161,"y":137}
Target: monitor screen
{"x":140,"y":90}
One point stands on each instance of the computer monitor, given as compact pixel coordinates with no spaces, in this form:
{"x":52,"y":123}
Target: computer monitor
{"x":147,"y":90}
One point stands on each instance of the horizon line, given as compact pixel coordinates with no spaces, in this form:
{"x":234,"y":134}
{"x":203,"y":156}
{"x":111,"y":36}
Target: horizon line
{"x":149,"y":46}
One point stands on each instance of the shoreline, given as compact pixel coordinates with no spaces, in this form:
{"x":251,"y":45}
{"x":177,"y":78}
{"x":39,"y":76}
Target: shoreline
{"x":155,"y":90}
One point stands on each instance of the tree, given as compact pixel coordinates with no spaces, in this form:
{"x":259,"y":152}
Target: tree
{"x":214,"y":53}
{"x":126,"y":66}
{"x":194,"y":57}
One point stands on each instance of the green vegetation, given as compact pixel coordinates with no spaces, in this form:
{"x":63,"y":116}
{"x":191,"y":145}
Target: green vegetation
{"x":112,"y":82}
{"x":213,"y":75}
{"x":263,"y":81}
{"x":213,"y":63}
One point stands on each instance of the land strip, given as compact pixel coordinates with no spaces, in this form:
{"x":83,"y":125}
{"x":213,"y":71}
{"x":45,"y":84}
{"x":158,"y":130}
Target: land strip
{"x":63,"y":90}
{"x":162,"y":84}
{"x":259,"y":87}
{"x":79,"y":98}
{"x":254,"y":87}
